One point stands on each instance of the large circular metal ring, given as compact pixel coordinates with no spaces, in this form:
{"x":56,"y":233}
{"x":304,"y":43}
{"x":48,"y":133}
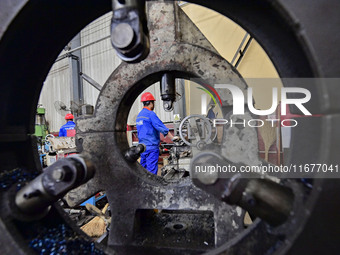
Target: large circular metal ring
{"x":284,"y":29}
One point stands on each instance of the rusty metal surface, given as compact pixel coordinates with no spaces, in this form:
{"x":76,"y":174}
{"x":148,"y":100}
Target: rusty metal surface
{"x":103,"y":136}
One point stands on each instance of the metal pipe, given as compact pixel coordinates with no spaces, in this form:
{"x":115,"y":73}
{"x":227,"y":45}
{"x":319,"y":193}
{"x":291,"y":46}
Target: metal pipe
{"x":243,"y":52}
{"x":239,"y":48}
{"x":79,"y":48}
{"x":76,"y":83}
{"x":91,"y":81}
{"x":133,"y":153}
{"x":168,"y":91}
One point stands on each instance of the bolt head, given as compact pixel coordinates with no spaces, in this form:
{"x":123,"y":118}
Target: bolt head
{"x":122,"y":35}
{"x":208,"y":178}
{"x":58,"y":174}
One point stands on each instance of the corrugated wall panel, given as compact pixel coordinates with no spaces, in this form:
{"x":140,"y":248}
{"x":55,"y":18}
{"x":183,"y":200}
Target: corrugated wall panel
{"x":56,"y":88}
{"x":98,"y":60}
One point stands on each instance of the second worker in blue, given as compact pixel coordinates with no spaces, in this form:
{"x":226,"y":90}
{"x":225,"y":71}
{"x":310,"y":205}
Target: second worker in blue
{"x":149,"y":127}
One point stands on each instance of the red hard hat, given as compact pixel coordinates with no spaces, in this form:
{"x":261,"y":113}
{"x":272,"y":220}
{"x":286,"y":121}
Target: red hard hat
{"x":69,"y":116}
{"x":147,"y":96}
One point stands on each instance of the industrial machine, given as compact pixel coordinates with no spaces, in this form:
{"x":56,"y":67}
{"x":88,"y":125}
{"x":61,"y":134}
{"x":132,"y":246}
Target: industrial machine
{"x":150,"y":215}
{"x":196,"y":133}
{"x":178,"y":162}
{"x":41,"y":130}
{"x":41,"y":127}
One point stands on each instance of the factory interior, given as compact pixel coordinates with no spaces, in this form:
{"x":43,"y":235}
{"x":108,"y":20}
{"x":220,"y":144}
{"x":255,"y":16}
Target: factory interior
{"x":169,"y":127}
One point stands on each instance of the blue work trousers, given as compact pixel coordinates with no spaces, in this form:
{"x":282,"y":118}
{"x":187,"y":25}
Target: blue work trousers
{"x":149,"y":160}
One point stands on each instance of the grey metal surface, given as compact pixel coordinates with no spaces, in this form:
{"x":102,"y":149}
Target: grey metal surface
{"x":291,"y":56}
{"x":91,"y":81}
{"x":259,"y":196}
{"x":122,"y":35}
{"x":103,"y":135}
{"x":319,"y":37}
{"x":240,"y":142}
{"x":180,"y":108}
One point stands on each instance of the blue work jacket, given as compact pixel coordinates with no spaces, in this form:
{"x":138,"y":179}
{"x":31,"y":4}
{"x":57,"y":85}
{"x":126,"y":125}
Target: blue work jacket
{"x":68,"y":129}
{"x":149,"y":127}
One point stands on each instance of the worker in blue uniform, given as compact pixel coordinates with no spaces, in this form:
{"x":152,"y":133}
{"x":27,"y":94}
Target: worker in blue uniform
{"x":69,"y":128}
{"x":149,"y":127}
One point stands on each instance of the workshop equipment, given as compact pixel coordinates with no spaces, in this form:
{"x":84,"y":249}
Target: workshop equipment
{"x":41,"y":130}
{"x":178,"y":163}
{"x":129,"y":32}
{"x":41,"y":127}
{"x":97,"y":226}
{"x":51,"y":158}
{"x":133,"y":153}
{"x":33,"y":201}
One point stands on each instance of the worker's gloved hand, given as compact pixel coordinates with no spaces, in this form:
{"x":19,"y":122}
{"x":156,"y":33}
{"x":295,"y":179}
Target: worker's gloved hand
{"x":176,"y":138}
